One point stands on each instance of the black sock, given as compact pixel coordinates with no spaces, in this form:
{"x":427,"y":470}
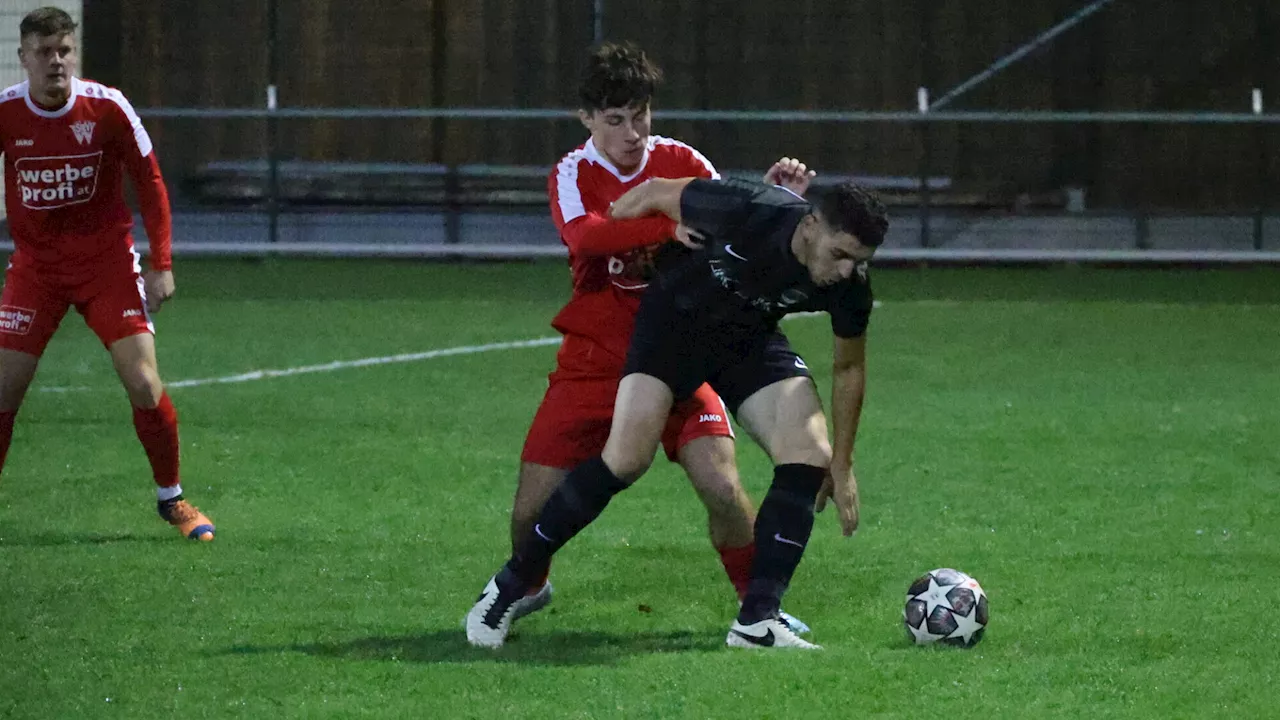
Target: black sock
{"x":782,"y":530}
{"x":579,"y":499}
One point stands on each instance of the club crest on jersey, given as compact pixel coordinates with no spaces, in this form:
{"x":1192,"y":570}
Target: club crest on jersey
{"x":83,"y":132}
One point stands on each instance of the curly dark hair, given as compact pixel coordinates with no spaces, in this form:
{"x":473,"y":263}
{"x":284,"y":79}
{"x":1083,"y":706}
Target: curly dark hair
{"x":857,"y":210}
{"x":46,"y":22}
{"x":617,"y":75}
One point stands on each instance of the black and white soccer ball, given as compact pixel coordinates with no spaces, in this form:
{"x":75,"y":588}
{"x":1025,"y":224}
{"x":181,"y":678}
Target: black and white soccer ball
{"x":945,"y":605}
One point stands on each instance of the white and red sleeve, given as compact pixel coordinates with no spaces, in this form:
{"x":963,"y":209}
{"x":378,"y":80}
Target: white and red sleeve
{"x":589,"y":234}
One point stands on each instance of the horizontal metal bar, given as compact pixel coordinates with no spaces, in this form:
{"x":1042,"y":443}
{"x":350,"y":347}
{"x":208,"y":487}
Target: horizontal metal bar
{"x":358,"y":113}
{"x":815,"y":116}
{"x":997,"y":255}
{"x":529,"y":251}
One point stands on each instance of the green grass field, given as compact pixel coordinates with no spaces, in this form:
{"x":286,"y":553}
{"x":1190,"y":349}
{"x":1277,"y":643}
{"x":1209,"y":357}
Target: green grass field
{"x":1099,"y":447}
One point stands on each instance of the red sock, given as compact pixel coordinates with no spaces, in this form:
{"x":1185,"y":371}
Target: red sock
{"x":6,"y":434}
{"x":158,"y":432}
{"x":737,"y":565}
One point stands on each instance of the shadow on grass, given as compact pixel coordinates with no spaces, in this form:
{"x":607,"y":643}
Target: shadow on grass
{"x":58,"y":539}
{"x":450,"y":646}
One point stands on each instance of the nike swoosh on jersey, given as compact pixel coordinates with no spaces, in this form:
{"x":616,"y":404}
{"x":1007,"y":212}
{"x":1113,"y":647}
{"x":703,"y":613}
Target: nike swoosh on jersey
{"x":729,"y":249}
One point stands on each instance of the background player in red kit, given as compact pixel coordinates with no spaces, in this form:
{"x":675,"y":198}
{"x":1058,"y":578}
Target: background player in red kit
{"x":67,"y":144}
{"x":611,"y":261}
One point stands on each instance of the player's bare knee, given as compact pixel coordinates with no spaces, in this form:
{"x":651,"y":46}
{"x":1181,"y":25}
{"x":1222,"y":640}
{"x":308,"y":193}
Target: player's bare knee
{"x":719,"y":489}
{"x":804,"y":449}
{"x":627,"y":463}
{"x":143,"y":386}
{"x":631,"y":471}
{"x":12,"y":391}
{"x":709,"y":463}
{"x":17,"y":370}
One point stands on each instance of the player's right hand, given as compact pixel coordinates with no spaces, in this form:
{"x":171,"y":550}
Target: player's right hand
{"x":841,"y":487}
{"x":791,"y":174}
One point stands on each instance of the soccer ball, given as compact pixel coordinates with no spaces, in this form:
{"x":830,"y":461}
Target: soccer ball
{"x":946,"y":605}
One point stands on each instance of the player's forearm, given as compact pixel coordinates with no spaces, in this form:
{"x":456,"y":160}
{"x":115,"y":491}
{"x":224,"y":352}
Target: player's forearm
{"x":663,"y":196}
{"x":593,"y":236}
{"x":848,"y":387}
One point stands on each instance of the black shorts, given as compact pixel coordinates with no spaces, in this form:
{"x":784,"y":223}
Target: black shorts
{"x":685,"y":344}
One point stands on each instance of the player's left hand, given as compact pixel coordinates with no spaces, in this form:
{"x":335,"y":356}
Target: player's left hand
{"x":791,"y":174}
{"x":841,"y":487}
{"x":159,"y":287}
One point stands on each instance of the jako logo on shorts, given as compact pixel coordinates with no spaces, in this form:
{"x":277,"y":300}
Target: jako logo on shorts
{"x":46,"y":183}
{"x":16,"y":320}
{"x":707,"y":417}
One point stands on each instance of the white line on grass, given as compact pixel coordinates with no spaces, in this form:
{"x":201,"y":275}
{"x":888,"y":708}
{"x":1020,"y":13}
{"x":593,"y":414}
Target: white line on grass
{"x":345,"y":364}
{"x":461,"y":350}
{"x":361,"y":362}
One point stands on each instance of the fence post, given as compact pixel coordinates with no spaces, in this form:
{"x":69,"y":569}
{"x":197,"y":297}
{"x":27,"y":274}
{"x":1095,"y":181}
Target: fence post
{"x":452,"y":206}
{"x":1262,"y":57}
{"x":1263,"y":159}
{"x":927,"y":76}
{"x":273,"y":149}
{"x":926,"y":163}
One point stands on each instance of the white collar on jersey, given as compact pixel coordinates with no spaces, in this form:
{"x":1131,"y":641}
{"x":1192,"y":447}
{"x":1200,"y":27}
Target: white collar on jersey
{"x":76,"y":84}
{"x":597,"y":157}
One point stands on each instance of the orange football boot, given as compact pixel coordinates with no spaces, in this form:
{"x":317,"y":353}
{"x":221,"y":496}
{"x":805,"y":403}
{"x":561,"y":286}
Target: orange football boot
{"x":187,"y":518}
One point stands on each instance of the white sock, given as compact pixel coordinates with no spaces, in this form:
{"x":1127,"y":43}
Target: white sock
{"x":168,"y":493}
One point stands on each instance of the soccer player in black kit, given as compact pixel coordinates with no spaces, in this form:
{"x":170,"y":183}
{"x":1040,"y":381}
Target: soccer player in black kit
{"x":763,"y":252}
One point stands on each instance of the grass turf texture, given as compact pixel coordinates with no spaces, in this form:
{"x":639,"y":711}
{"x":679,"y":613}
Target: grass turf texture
{"x":1096,"y":446}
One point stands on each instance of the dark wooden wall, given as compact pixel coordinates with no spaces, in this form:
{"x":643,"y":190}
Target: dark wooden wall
{"x":726,"y":54}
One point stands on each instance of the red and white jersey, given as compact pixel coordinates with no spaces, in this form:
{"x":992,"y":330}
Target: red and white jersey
{"x":611,"y":259}
{"x":64,"y":191}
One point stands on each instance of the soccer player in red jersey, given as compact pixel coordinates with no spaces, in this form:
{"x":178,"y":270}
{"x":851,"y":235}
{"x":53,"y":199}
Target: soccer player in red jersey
{"x":67,"y":144}
{"x":611,"y":261}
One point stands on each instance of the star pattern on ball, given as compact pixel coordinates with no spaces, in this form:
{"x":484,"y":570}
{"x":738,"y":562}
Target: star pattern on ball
{"x":966,"y":625}
{"x":922,"y":635}
{"x":935,"y":595}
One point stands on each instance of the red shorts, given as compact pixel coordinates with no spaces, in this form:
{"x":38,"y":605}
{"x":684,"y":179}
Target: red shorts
{"x":572,"y":424}
{"x":113,"y":305}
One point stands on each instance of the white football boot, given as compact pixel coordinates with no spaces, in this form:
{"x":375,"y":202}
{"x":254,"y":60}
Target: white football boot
{"x":768,"y":633}
{"x":797,"y":625}
{"x":530,"y":604}
{"x":490,"y":618}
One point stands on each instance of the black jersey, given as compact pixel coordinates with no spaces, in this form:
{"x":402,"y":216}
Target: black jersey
{"x":748,"y":267}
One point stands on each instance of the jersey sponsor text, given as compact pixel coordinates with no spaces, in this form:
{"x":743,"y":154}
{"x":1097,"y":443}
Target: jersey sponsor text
{"x":16,"y":320}
{"x":46,"y":183}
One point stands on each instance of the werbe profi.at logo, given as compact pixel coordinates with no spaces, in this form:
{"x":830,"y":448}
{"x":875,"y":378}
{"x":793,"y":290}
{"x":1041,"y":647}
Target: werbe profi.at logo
{"x":46,"y":183}
{"x":15,"y":320}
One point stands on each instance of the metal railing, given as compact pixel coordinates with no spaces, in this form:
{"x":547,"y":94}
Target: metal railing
{"x":924,"y":223}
